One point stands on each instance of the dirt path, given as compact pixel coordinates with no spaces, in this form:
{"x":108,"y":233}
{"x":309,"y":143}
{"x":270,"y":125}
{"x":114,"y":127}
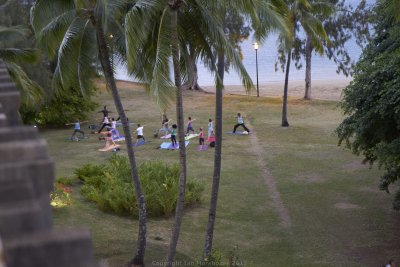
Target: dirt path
{"x":256,"y":150}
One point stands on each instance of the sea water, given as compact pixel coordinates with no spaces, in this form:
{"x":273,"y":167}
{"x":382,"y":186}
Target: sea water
{"x":322,"y":67}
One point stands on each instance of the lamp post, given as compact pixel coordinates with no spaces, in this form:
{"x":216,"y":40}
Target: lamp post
{"x":255,"y":45}
{"x":112,"y":52}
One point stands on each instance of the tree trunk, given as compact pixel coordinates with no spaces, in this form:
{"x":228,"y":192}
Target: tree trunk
{"x":193,"y":76}
{"x":217,"y":156}
{"x":138,"y":259}
{"x":309,"y":48}
{"x":285,"y":122}
{"x":181,"y":134}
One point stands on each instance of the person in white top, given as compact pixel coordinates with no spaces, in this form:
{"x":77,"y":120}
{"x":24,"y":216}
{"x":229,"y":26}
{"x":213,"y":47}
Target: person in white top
{"x":113,"y":123}
{"x":240,"y":122}
{"x":106,"y":122}
{"x":139,"y":132}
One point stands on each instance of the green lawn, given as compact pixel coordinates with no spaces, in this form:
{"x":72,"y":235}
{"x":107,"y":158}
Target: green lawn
{"x":338,"y":215}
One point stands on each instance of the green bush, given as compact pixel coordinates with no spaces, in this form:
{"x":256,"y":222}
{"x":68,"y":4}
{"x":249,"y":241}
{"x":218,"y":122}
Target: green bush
{"x":110,"y":186}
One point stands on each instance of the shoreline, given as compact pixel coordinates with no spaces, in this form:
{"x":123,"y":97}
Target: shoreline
{"x":320,"y":89}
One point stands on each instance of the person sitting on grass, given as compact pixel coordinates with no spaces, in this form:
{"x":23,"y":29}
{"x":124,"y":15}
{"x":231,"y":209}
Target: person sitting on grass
{"x":139,"y":132}
{"x":108,"y":138}
{"x":240,"y":122}
{"x":77,"y":129}
{"x":165,"y":129}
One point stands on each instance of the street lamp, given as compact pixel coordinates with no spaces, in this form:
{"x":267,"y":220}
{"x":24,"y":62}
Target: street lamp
{"x":112,"y":52}
{"x":255,"y":45}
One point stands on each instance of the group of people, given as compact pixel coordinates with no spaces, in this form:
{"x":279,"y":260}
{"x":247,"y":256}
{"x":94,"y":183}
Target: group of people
{"x":110,"y":124}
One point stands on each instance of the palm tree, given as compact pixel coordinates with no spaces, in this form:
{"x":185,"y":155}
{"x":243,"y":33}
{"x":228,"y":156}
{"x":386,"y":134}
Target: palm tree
{"x":73,"y":31}
{"x":322,"y":10}
{"x":253,"y":11}
{"x":158,"y":39}
{"x":301,"y":13}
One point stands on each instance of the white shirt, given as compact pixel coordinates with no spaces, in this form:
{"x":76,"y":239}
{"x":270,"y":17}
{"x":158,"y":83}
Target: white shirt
{"x":113,"y":124}
{"x":139,"y":130}
{"x":106,"y":120}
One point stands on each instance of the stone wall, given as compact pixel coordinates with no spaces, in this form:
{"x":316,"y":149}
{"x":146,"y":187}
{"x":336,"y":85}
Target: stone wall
{"x":26,"y":180}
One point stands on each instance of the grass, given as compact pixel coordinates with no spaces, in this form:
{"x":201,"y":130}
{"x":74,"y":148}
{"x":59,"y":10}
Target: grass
{"x":339,"y":217}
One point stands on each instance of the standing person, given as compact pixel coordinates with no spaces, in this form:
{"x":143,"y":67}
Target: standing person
{"x":201,"y":137}
{"x":139,"y":132}
{"x":106,"y":122}
{"x":240,"y":122}
{"x":104,"y":111}
{"x":173,"y":135}
{"x":113,"y":124}
{"x":210,"y":127}
{"x":190,"y":125}
{"x":77,"y":129}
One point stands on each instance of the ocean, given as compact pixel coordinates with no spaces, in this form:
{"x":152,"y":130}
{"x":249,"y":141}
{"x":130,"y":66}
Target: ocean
{"x":322,"y":67}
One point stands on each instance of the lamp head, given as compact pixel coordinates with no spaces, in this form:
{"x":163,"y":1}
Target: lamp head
{"x":255,"y":45}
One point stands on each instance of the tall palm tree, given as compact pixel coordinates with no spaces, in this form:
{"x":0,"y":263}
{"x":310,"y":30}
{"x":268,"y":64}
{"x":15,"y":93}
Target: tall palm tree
{"x":254,"y":10}
{"x":73,"y":32}
{"x":301,"y":13}
{"x":166,"y":31}
{"x":322,"y":10}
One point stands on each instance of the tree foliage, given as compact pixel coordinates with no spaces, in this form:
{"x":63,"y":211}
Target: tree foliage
{"x":371,"y":103}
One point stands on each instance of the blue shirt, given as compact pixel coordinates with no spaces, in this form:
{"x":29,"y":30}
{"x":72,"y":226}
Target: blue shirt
{"x":77,"y":126}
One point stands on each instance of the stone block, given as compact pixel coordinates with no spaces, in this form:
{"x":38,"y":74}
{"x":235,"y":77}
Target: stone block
{"x":20,"y":133}
{"x":9,"y":103}
{"x":66,"y":248}
{"x":25,"y":217}
{"x":25,"y":150}
{"x":20,"y":181}
{"x":3,"y":120}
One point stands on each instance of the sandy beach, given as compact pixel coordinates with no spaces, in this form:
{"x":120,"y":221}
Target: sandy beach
{"x":320,"y":89}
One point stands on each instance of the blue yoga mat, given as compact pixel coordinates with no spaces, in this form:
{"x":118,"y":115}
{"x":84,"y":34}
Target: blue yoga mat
{"x":168,"y":145}
{"x":140,"y":143}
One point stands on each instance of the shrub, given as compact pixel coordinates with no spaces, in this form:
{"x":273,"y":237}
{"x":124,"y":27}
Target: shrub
{"x":110,"y":187}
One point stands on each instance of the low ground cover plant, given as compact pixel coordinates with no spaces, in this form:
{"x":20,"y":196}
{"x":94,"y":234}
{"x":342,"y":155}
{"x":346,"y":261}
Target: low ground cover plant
{"x":109,"y":186}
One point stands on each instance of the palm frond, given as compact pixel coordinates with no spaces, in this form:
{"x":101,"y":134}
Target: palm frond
{"x":50,"y":33}
{"x":161,"y":86}
{"x":13,"y":32}
{"x":68,"y":54}
{"x":31,"y":92}
{"x":19,"y":55}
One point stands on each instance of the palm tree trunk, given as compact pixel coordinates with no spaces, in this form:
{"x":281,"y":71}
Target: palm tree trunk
{"x":217,"y":156}
{"x":285,"y":122}
{"x":138,"y":259}
{"x":181,"y":134}
{"x":309,"y":48}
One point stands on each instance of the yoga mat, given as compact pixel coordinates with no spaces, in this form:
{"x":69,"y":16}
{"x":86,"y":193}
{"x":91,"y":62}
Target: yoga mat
{"x":168,"y":145}
{"x":140,"y":143}
{"x":238,"y":133}
{"x":190,"y":136}
{"x":166,"y":136}
{"x":108,"y":148}
{"x":202,"y":147}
